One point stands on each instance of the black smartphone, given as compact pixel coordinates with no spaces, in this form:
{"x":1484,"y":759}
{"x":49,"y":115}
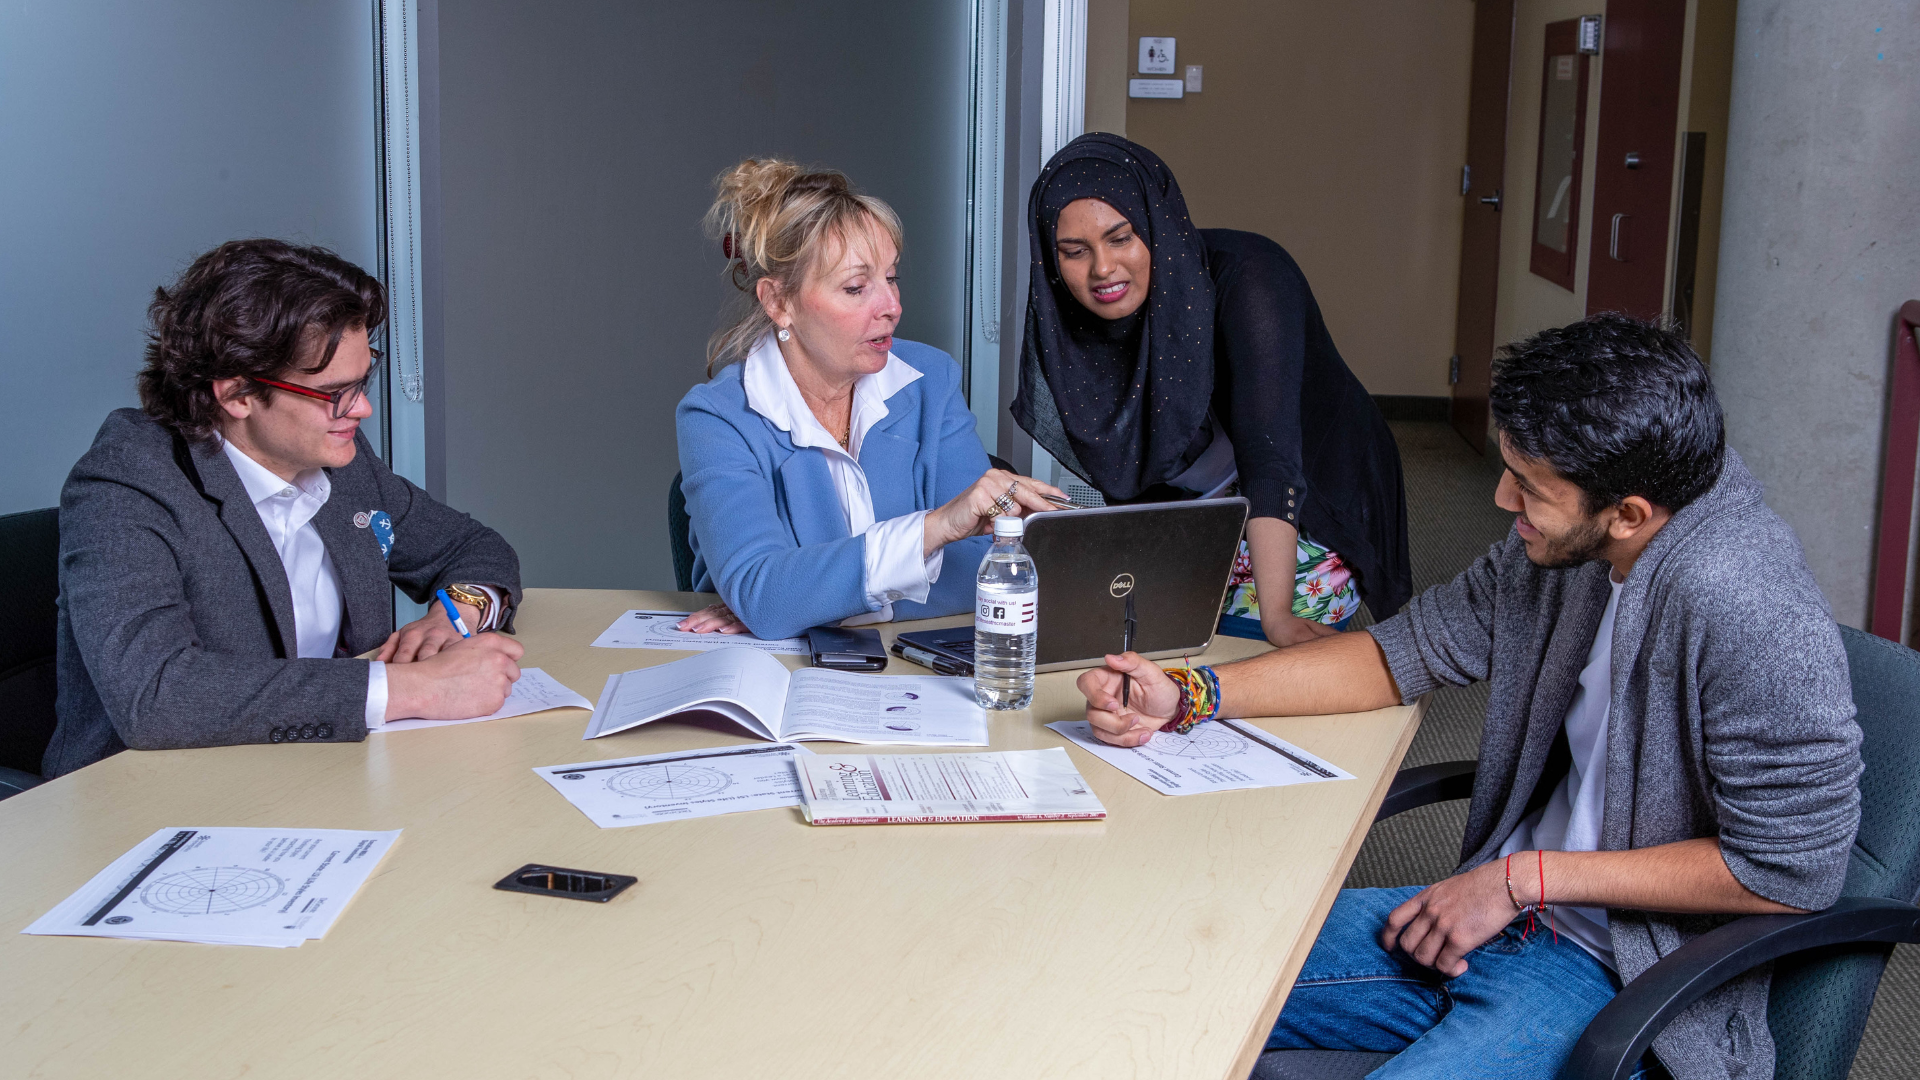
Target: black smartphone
{"x":843,"y":648}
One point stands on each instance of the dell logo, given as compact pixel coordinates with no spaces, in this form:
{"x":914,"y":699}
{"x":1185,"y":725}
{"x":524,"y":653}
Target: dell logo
{"x":1122,"y":585}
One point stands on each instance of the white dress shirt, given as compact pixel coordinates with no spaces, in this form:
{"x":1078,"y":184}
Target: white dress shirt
{"x":895,"y":567}
{"x":1571,"y":819}
{"x":287,"y":510}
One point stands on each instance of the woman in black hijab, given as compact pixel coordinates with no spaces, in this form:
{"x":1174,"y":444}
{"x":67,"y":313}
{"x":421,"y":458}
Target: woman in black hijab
{"x":1167,"y":362}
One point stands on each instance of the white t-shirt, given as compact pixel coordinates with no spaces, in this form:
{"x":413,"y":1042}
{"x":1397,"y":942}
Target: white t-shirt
{"x":1570,"y":821}
{"x":896,"y":569}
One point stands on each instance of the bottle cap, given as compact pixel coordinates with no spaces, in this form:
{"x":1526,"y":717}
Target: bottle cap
{"x":1009,"y":526}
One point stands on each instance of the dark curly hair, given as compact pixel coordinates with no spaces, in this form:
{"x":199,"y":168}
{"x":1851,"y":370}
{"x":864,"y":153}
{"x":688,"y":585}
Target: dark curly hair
{"x":248,"y":309}
{"x":1617,"y":405}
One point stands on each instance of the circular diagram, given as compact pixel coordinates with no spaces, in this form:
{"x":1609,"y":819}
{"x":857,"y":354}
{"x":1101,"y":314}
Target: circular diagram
{"x":901,"y":695}
{"x":668,"y":782}
{"x":1204,"y":741}
{"x":901,"y":724}
{"x":212,"y":890}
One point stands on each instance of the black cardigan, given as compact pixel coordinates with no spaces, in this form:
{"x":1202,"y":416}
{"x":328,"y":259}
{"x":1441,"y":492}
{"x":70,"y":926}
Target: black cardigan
{"x":1310,"y":444}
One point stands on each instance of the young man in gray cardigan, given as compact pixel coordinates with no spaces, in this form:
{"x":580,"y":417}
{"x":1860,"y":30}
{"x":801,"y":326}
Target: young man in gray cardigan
{"x":228,"y":548}
{"x":1669,"y":736}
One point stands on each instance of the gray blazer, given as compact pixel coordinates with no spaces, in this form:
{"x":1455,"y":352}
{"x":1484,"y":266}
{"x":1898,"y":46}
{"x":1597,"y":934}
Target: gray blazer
{"x":1732,"y":717}
{"x":176,"y":620}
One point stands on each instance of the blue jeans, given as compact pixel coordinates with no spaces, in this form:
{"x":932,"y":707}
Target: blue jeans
{"x":1514,"y":1015}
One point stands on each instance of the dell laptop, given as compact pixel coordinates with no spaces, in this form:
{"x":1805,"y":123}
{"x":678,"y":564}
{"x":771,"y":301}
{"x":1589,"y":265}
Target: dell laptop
{"x":1171,"y":560}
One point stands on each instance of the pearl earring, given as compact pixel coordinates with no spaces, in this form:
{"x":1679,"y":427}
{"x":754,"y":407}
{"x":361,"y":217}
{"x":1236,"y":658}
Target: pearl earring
{"x":785,"y":334}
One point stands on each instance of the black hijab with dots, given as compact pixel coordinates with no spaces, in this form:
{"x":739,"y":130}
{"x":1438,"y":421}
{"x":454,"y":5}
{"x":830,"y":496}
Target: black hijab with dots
{"x":1120,"y":402}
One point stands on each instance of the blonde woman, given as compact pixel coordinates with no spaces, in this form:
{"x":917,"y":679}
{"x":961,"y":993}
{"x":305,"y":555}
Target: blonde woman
{"x":833,"y":474}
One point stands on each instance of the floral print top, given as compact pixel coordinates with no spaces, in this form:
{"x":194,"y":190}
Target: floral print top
{"x":1323,"y":589}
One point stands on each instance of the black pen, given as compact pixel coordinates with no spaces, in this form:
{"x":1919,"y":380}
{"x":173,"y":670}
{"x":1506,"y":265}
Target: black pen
{"x":1126,"y":646}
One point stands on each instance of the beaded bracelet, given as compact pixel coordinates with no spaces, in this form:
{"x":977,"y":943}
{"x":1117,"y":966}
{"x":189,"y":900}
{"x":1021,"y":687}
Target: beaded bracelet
{"x":1199,"y":698}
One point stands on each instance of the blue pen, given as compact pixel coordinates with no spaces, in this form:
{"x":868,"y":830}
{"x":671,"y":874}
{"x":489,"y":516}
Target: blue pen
{"x":453,"y":613}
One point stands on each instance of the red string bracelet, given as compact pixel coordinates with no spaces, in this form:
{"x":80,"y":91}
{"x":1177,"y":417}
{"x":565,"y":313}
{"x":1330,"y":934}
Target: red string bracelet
{"x":1541,"y":857}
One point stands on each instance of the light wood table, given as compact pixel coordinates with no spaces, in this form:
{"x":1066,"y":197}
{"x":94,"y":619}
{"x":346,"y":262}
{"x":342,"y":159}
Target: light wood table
{"x":1158,"y":943}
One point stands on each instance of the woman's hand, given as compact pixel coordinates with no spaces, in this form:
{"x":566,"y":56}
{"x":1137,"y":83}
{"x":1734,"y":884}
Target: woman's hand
{"x":1284,"y":628}
{"x":714,"y":619}
{"x":1151,"y":700}
{"x":972,"y":511}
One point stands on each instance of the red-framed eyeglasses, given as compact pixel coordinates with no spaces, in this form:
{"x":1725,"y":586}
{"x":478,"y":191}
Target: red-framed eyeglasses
{"x":342,"y":400}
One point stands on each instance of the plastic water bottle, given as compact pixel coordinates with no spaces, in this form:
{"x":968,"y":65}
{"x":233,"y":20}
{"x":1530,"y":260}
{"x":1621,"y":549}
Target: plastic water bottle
{"x":1004,"y":620}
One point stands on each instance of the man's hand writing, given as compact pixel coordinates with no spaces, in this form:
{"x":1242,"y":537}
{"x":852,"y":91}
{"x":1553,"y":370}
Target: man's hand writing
{"x":426,"y":636}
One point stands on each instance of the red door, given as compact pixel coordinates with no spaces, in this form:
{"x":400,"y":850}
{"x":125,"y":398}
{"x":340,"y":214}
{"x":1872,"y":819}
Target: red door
{"x":1633,"y":175}
{"x":1486,"y":166}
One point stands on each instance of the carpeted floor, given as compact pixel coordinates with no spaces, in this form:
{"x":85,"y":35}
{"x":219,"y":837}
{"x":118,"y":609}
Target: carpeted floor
{"x":1451,"y":521}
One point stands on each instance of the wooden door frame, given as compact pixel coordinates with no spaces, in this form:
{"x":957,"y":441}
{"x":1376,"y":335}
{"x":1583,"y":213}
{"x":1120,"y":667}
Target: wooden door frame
{"x":1471,"y":368}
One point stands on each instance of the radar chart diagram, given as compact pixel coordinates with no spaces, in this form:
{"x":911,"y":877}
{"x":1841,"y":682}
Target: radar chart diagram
{"x":1205,"y":741}
{"x":669,"y":782}
{"x":212,"y":890}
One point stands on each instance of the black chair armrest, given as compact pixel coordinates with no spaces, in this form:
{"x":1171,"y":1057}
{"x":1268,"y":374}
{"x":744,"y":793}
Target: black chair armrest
{"x":1620,"y":1034}
{"x":1425,"y":784}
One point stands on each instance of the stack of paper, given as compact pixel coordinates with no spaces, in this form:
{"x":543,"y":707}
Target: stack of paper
{"x":272,"y":887}
{"x":902,"y":789}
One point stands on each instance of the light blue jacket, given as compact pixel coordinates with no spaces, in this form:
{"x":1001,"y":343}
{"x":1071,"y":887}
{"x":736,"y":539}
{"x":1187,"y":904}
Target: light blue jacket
{"x":769,"y":534}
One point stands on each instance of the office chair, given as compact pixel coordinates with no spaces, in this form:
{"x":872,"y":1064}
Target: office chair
{"x":29,"y":592}
{"x":1827,"y":964}
{"x":680,"y":535}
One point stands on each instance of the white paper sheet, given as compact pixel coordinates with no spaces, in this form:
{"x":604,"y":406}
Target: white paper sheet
{"x":813,"y":704}
{"x":270,"y":887}
{"x":1219,"y":755}
{"x":535,"y":691}
{"x":901,"y":789}
{"x":683,"y":784}
{"x":644,"y":629}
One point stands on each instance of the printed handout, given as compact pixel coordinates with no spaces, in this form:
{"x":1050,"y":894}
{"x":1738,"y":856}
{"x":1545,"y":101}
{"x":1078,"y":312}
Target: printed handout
{"x":1219,"y":755}
{"x":813,"y":704}
{"x":642,"y":629}
{"x":271,"y":887}
{"x":908,"y":789}
{"x":535,"y":691}
{"x":682,"y":784}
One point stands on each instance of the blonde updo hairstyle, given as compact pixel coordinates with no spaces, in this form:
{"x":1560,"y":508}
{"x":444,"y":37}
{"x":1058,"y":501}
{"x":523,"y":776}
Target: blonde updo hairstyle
{"x":774,"y":220}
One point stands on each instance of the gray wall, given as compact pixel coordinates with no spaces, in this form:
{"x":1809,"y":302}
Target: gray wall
{"x":1820,"y":245}
{"x":137,"y":135}
{"x":578,"y":142}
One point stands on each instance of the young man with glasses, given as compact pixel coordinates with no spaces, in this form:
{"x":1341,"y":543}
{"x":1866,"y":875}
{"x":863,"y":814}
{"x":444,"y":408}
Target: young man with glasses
{"x":229,"y":547}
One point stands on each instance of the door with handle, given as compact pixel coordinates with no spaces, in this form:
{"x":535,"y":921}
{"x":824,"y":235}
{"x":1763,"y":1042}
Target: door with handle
{"x":1636,"y":156}
{"x":1470,"y":369}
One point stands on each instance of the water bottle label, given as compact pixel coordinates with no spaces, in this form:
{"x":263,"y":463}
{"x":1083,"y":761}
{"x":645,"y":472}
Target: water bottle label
{"x":1006,"y":613}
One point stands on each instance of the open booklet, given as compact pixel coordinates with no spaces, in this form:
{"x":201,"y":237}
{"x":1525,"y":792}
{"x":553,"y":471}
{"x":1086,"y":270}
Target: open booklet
{"x":757,"y":692}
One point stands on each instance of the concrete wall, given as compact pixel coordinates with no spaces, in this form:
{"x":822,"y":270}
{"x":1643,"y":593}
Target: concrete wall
{"x":579,"y":141}
{"x":137,"y":136}
{"x":1704,"y":104}
{"x":1820,"y":245}
{"x":1338,"y":130}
